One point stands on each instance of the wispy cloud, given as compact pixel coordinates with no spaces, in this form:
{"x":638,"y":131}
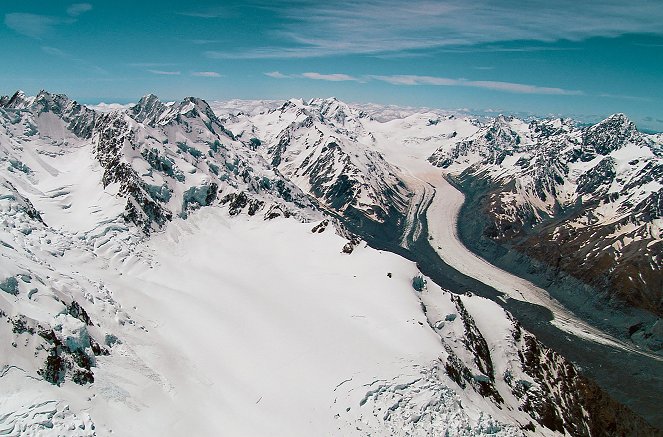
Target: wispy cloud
{"x":54,"y":51}
{"x":413,"y":80}
{"x":165,"y":72}
{"x":316,"y":29}
{"x":77,"y":9}
{"x":485,"y":84}
{"x":33,"y":25}
{"x":497,"y":48}
{"x":519,"y":88}
{"x":109,"y":107}
{"x":205,"y":41}
{"x":214,"y":12}
{"x":269,"y":53}
{"x":416,"y":80}
{"x":333,"y":77}
{"x":151,"y":64}
{"x":205,"y":74}
{"x":277,"y":75}
{"x":625,"y":97}
{"x":40,"y":26}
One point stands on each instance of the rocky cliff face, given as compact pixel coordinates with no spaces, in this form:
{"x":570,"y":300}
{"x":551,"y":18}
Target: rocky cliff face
{"x":490,"y":356}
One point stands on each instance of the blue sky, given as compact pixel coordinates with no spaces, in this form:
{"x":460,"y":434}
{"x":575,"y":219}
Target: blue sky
{"x":585,"y":59}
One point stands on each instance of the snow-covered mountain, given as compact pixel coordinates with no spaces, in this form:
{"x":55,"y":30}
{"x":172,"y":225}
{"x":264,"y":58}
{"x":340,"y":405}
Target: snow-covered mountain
{"x":585,"y":201}
{"x":320,"y":145}
{"x":164,"y":273}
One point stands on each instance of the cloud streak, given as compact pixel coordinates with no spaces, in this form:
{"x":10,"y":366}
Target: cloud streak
{"x":334,"y":77}
{"x":414,"y":80}
{"x":165,"y":72}
{"x":277,"y":75}
{"x":205,"y":74}
{"x":341,"y":27}
{"x":40,"y":26}
{"x":510,"y":87}
{"x":214,"y":12}
{"x":269,"y":53}
{"x":151,"y":64}
{"x":33,"y":25}
{"x":59,"y":53}
{"x":78,"y":8}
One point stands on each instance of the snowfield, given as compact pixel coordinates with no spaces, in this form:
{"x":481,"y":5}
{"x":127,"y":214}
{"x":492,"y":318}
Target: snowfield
{"x":245,"y":327}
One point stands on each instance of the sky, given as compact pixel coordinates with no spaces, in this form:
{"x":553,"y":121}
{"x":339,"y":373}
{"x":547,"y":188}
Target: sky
{"x":580,"y":59}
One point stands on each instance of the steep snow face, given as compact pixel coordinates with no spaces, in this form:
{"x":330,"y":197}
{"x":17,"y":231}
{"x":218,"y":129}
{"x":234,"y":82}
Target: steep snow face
{"x":47,"y":155}
{"x":133,"y":301}
{"x":320,"y":146}
{"x":587,"y":200}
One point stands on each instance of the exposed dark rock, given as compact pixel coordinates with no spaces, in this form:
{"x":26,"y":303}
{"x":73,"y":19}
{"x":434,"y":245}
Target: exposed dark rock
{"x":349,"y":247}
{"x":195,"y":197}
{"x":75,"y":310}
{"x":9,"y":285}
{"x":54,"y":369}
{"x":320,"y":227}
{"x":20,"y":325}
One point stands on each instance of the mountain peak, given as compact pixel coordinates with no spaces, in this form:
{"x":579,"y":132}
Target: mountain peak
{"x":502,"y":119}
{"x":148,"y":99}
{"x":147,"y":108}
{"x":333,"y":109}
{"x":616,"y":122}
{"x":197,"y":102}
{"x":17,"y":100}
{"x":611,"y":134}
{"x":44,"y":101}
{"x":500,"y":133}
{"x":619,"y":116}
{"x":49,"y":102}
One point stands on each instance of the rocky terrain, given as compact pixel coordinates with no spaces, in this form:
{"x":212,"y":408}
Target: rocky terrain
{"x":582,"y":202}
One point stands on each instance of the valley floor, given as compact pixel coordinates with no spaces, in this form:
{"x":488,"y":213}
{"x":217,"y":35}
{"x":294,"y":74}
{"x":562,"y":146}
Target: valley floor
{"x":441,"y":203}
{"x":629,"y":372}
